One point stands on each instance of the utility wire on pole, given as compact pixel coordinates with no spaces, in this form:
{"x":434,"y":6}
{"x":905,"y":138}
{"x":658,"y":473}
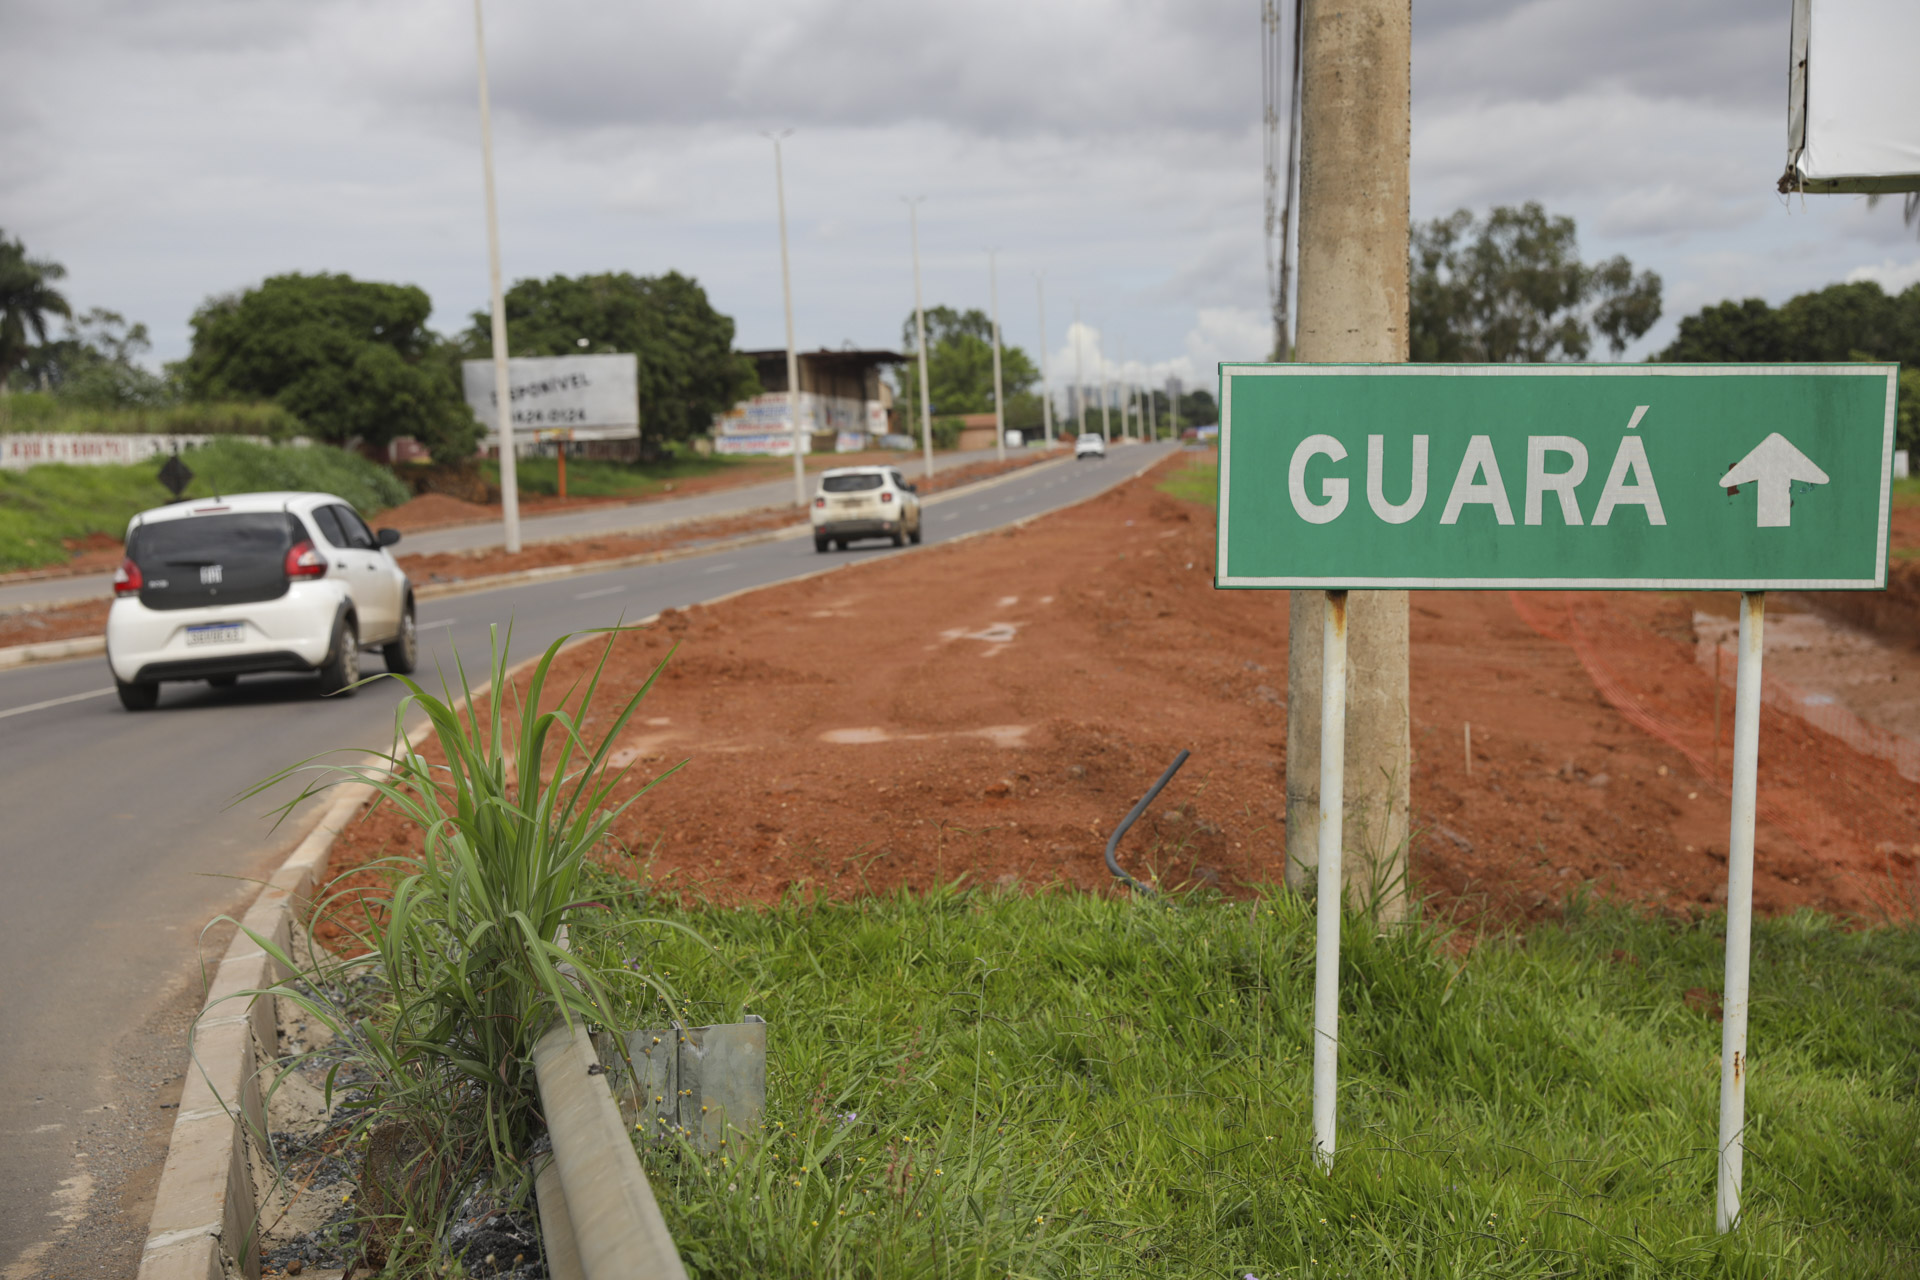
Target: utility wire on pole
{"x":502,"y":388}
{"x":920,"y":332}
{"x":786,"y":292}
{"x":999,"y":391}
{"x":1046,"y":379}
{"x":1079,"y":374}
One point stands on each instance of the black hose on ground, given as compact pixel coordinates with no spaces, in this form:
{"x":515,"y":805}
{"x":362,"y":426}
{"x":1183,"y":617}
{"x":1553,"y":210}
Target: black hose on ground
{"x":1134,"y":813}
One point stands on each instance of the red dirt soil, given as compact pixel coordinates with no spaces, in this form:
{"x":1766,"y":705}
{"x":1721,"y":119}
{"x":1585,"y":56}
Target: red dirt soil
{"x":992,"y":707}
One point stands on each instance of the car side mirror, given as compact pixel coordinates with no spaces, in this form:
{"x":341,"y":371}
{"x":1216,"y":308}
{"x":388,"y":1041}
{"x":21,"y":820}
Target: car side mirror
{"x":388,"y":537}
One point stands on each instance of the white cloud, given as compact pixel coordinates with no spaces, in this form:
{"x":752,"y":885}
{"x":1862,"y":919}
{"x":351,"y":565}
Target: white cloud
{"x":1892,"y":276}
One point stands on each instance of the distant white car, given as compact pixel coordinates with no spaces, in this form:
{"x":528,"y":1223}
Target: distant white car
{"x":864,"y":502}
{"x":214,"y":589}
{"x":1089,"y":446}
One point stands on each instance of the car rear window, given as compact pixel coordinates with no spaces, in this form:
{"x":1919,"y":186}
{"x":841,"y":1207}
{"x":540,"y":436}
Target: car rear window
{"x":851,"y":484}
{"x":222,"y":538}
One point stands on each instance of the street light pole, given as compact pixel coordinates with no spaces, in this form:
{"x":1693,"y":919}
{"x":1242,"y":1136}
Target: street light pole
{"x":1079,"y":375}
{"x":1106,"y":400}
{"x":920,"y":334}
{"x":999,"y":391}
{"x":1046,"y":379}
{"x":502,"y":390}
{"x":786,"y":290}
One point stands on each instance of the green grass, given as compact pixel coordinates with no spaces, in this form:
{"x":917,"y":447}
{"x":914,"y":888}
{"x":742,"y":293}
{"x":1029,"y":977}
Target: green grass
{"x":37,"y":411}
{"x":589,"y":478}
{"x":1083,"y":1086}
{"x":1196,"y":482}
{"x":43,"y":505}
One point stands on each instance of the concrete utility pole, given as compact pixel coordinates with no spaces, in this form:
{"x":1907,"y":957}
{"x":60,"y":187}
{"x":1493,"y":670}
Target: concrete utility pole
{"x":999,"y":391}
{"x":793,"y":357}
{"x":1079,"y":375}
{"x":1153,"y":421}
{"x":1355,"y":126}
{"x":1046,"y":379}
{"x":1106,"y":400}
{"x":502,"y":388}
{"x":1173,"y":407}
{"x":920,"y":333}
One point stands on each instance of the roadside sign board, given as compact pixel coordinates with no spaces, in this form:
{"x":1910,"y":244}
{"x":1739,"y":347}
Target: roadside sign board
{"x":595,"y":397}
{"x":1654,"y":476}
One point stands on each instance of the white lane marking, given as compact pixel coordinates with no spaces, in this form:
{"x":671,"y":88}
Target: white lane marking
{"x":443,"y":622}
{"x":54,"y":702}
{"x":603,"y":591}
{"x":720,"y":568}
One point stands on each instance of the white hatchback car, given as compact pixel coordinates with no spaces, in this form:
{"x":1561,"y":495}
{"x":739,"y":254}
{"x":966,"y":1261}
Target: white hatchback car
{"x":1089,"y":445}
{"x":214,"y":589}
{"x":864,"y":502}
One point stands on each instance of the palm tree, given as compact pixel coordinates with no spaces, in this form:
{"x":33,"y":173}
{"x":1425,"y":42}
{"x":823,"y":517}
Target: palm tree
{"x":27,"y":298}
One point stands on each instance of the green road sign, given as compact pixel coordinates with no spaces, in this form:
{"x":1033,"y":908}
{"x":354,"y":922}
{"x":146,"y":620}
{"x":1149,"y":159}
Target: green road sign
{"x":1722,"y":477}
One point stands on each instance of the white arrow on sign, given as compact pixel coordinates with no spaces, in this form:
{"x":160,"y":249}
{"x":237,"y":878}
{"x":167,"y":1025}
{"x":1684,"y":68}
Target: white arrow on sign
{"x":1773,"y":466}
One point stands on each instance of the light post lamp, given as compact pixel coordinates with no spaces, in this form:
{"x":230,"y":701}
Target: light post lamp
{"x":786,"y":291}
{"x":999,"y":392}
{"x":1079,"y":375}
{"x":502,"y":390}
{"x":920,"y":333}
{"x":1046,"y":380}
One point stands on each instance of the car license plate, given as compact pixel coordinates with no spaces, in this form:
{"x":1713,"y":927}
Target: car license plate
{"x":215,"y":633}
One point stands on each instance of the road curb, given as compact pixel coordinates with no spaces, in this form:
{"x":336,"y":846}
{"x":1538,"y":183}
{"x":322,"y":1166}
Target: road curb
{"x":205,"y":1204}
{"x":84,"y":646}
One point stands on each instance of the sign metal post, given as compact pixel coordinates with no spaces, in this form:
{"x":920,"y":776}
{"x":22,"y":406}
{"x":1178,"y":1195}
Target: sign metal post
{"x":1554,"y":477}
{"x":1329,"y":891}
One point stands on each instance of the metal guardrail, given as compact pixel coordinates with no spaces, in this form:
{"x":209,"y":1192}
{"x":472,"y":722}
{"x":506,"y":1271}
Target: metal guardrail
{"x":598,"y":1217}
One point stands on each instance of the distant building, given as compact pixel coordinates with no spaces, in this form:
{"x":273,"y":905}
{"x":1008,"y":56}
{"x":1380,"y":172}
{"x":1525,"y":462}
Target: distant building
{"x":845,"y":405}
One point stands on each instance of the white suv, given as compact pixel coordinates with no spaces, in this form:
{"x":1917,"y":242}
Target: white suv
{"x":864,"y":502}
{"x":213,"y":589}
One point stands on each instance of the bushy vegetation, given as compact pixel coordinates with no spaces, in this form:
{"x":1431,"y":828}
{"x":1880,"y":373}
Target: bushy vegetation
{"x":44,"y":507}
{"x":36,"y":411}
{"x":1066,"y":1085}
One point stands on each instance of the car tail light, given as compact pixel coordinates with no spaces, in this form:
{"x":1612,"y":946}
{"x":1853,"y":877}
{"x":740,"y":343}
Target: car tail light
{"x":887,"y":496}
{"x":305,"y":562}
{"x":819,"y":502}
{"x":127,"y":580}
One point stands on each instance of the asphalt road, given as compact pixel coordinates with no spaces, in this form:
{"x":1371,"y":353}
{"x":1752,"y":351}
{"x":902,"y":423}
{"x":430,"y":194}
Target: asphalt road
{"x":611,"y":518}
{"x":120,"y":842}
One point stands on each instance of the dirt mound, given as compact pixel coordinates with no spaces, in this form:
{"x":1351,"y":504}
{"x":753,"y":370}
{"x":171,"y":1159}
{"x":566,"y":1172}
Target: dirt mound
{"x":433,"y":511}
{"x":992,"y":707}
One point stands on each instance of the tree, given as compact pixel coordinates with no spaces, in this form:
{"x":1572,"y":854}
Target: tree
{"x":352,"y":359}
{"x":688,"y":369}
{"x":27,"y":299}
{"x":1513,"y":288}
{"x":1748,"y":330}
{"x":95,"y":365}
{"x":960,"y":364}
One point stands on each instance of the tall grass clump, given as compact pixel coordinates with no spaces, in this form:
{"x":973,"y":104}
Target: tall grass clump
{"x":1065,"y":1085}
{"x":39,"y":411}
{"x":464,"y":943}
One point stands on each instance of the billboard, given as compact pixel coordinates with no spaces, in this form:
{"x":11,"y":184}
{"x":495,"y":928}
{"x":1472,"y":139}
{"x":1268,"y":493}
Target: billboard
{"x":560,"y":397}
{"x":1853,"y":99}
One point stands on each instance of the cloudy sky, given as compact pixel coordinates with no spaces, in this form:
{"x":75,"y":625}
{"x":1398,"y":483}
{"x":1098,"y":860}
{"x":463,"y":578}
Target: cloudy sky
{"x":168,"y":150}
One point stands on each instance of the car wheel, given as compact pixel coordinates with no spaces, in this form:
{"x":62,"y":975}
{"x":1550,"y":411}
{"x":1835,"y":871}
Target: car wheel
{"x":141,"y":696}
{"x":820,"y":545}
{"x":403,"y":651}
{"x":342,"y":670}
{"x":914,"y":537}
{"x":839,"y":544}
{"x":900,"y":538}
{"x":223,"y":682}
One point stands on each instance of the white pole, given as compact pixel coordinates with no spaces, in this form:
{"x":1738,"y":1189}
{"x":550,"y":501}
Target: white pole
{"x":1326,"y":954}
{"x":502,"y":390}
{"x":1106,"y":400}
{"x":920,"y":332}
{"x":1733,"y":999}
{"x":999,"y":392}
{"x":1153,"y":418}
{"x":1046,"y":379}
{"x":1079,"y":375}
{"x":793,"y":358}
